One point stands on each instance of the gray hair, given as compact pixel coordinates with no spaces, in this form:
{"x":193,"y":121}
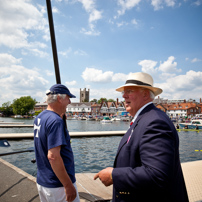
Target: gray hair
{"x":152,"y":96}
{"x":51,"y":98}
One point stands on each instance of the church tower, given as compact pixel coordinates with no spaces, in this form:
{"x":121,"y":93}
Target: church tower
{"x":84,"y":95}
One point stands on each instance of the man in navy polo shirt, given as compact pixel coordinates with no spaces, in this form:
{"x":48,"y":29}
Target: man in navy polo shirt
{"x":56,"y":180}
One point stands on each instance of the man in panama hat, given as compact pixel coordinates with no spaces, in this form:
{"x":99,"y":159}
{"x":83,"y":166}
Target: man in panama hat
{"x":147,"y":165}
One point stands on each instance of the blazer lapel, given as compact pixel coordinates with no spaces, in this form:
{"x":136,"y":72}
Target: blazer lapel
{"x":125,"y":139}
{"x":131,"y":129}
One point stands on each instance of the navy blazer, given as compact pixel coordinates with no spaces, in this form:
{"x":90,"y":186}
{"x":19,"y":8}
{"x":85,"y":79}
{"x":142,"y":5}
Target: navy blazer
{"x":147,"y":168}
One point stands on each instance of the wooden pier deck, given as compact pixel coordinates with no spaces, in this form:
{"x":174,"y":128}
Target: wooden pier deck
{"x":18,"y":186}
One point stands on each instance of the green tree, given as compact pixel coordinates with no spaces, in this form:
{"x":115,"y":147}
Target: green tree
{"x":94,"y":100}
{"x":111,"y":100}
{"x":102,"y":99}
{"x":23,"y":105}
{"x":37,"y":112}
{"x":7,"y":109}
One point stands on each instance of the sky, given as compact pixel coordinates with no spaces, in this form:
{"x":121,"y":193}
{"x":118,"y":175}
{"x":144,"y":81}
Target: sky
{"x":99,"y":42}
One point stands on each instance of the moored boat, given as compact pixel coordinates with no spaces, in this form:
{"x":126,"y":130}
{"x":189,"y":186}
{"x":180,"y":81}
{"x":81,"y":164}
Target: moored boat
{"x":90,"y":118}
{"x":106,"y":119}
{"x":192,"y":125}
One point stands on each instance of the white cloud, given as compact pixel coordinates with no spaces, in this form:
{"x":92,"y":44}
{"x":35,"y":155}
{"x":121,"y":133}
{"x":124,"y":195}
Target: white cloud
{"x":169,"y":65}
{"x":170,"y":3}
{"x":166,"y":69}
{"x":109,"y":93}
{"x":96,"y":75}
{"x":183,"y":86}
{"x":119,"y":77}
{"x":195,"y":60}
{"x":80,"y":52}
{"x":17,"y":80}
{"x":94,"y":15}
{"x":126,"y":5}
{"x":49,"y":73}
{"x":158,"y":4}
{"x":71,"y":83}
{"x":55,"y":10}
{"x":134,"y":21}
{"x":17,"y":19}
{"x":66,"y":52}
{"x":6,"y":60}
{"x":197,"y":3}
{"x":90,"y":32}
{"x":120,"y":24}
{"x":148,"y":66}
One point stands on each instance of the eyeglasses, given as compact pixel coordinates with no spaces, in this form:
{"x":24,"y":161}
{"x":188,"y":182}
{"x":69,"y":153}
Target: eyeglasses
{"x":128,"y":92}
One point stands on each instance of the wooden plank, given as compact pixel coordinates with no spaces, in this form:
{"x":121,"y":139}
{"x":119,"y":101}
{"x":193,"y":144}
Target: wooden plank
{"x":72,"y":134}
{"x":92,"y":190}
{"x":16,"y":125}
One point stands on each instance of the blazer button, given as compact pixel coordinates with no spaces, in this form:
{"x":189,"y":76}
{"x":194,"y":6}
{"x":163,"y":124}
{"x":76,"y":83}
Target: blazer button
{"x":117,"y":196}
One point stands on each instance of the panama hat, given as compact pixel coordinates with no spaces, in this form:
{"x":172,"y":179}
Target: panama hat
{"x":140,"y":79}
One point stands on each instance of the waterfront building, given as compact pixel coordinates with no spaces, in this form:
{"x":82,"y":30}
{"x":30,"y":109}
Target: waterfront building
{"x":180,"y":110}
{"x":111,"y":108}
{"x":95,"y":109}
{"x":79,"y":108}
{"x":161,"y":107}
{"x":40,"y":106}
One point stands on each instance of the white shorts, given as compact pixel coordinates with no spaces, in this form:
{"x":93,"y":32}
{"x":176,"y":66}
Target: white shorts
{"x":55,"y":194}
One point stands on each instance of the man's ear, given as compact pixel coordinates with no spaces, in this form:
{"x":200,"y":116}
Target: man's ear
{"x":59,"y":99}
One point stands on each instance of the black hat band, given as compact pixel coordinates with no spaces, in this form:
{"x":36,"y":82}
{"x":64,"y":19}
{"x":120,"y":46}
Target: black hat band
{"x":138,"y":83}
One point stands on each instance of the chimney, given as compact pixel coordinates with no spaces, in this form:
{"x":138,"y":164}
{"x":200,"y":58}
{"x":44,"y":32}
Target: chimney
{"x":200,"y":100}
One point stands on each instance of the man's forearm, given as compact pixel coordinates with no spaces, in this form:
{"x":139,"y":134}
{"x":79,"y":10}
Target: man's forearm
{"x":60,"y":171}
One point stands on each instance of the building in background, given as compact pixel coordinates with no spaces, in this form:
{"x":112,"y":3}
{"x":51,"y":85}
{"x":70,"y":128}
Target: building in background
{"x":173,"y":108}
{"x":179,"y":108}
{"x":84,"y":95}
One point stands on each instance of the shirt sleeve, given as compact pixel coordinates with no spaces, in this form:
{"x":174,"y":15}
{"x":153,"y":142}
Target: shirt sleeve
{"x":56,"y":135}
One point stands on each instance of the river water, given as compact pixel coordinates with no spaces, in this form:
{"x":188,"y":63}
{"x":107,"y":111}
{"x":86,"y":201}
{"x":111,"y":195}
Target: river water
{"x":94,"y":153}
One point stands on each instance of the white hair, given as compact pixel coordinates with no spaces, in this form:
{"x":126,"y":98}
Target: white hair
{"x":51,"y":98}
{"x":152,"y":96}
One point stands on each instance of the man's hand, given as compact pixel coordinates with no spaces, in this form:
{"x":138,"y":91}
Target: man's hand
{"x":105,"y":176}
{"x":70,"y":193}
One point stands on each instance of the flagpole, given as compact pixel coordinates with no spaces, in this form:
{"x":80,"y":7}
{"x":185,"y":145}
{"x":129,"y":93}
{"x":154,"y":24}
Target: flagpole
{"x":54,"y":48}
{"x":53,"y":42}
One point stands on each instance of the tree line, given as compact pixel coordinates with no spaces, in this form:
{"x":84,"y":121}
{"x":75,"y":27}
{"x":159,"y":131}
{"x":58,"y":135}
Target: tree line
{"x":20,"y":106}
{"x":23,"y":106}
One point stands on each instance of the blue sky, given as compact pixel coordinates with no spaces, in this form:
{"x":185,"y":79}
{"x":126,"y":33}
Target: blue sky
{"x":99,"y":42}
